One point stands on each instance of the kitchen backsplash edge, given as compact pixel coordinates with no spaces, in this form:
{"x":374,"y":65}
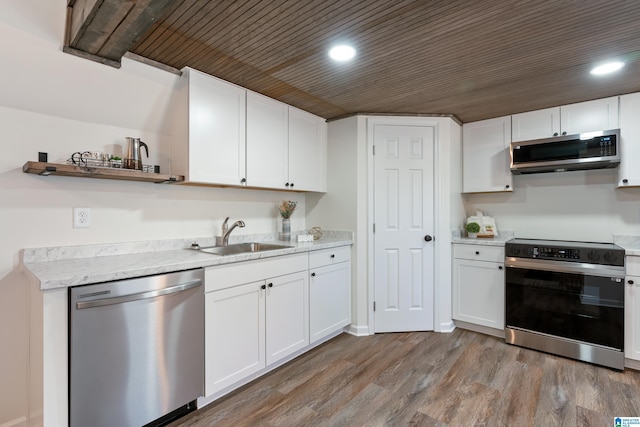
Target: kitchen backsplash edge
{"x":58,"y":253}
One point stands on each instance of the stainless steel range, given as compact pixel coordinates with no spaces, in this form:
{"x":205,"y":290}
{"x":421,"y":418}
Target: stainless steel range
{"x":566,"y":298}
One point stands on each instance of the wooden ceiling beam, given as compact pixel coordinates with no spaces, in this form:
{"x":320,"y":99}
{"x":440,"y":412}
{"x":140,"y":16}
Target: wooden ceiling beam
{"x":104,"y":30}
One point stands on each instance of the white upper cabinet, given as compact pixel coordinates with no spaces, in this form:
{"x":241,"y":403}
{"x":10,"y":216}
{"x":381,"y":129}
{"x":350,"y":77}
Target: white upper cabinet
{"x":590,"y":116}
{"x":208,"y":141}
{"x":535,"y":124}
{"x":485,"y":156}
{"x":224,"y":134}
{"x":600,"y":114}
{"x":629,"y":173}
{"x":307,"y":151}
{"x":267,"y":142}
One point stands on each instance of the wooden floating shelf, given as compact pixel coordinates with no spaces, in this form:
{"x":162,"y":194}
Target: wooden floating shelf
{"x":45,"y":169}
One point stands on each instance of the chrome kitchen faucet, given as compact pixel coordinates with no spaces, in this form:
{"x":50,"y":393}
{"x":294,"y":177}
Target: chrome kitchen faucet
{"x":226,"y":231}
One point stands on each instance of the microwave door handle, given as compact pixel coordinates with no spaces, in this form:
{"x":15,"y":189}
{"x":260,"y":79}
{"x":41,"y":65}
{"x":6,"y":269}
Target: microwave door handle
{"x":139,"y":296}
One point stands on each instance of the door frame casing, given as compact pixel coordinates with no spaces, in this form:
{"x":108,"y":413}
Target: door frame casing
{"x":444,"y":155}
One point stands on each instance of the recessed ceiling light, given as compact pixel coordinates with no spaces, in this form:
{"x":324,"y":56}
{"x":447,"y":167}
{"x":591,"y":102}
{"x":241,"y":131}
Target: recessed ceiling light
{"x":607,"y":68}
{"x":342,"y":53}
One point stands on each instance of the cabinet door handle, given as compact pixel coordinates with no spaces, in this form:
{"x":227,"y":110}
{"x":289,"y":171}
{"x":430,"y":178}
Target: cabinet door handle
{"x":555,"y":134}
{"x":477,"y":252}
{"x":625,"y":181}
{"x":313,"y":274}
{"x":564,"y":133}
{"x":630,"y":282}
{"x":333,"y":256}
{"x":243,"y":180}
{"x":292,"y":185}
{"x":270,"y":285}
{"x":507,"y":186}
{"x":428,"y":238}
{"x":263,"y":287}
{"x":499,"y":267}
{"x":287,"y":184}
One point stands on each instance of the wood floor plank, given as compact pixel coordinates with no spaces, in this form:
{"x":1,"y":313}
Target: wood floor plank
{"x":556,"y":403}
{"x":427,"y":379}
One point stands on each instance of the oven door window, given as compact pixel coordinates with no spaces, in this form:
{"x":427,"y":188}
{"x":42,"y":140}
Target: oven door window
{"x":583,"y":308}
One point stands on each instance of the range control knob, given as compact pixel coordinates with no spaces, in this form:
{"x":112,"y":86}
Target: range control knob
{"x":593,"y":256}
{"x":529,"y":251}
{"x":514,"y":251}
{"x":610,"y":257}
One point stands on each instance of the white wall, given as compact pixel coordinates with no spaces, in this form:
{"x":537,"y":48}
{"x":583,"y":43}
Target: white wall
{"x":344,"y":206}
{"x":58,"y":103}
{"x":577,"y":205}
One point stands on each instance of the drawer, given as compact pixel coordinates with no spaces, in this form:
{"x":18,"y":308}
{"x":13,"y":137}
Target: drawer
{"x":239,"y":273}
{"x":632,"y":265}
{"x":479,"y":252}
{"x":329,"y":256}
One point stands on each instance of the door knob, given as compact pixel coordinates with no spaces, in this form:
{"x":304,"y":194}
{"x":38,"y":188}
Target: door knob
{"x":428,"y":238}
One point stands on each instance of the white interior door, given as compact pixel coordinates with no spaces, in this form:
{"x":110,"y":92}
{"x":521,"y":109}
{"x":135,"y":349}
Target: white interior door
{"x":404,"y":216}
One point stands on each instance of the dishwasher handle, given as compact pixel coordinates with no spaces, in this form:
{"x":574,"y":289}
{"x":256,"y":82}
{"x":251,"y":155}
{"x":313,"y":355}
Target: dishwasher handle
{"x":139,"y":296}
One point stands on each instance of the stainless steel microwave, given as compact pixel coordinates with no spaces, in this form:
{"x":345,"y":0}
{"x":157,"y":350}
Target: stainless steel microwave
{"x":592,"y":150}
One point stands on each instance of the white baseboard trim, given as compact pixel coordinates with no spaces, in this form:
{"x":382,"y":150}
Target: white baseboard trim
{"x":358,"y":331}
{"x":447,"y":327}
{"x":632,"y":364}
{"x":18,"y":422}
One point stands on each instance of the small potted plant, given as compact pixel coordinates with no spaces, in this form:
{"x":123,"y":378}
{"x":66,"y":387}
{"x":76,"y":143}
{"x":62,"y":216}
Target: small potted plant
{"x":473,"y":228}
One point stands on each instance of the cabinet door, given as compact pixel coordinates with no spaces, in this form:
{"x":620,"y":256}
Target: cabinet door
{"x":234,"y":335}
{"x":478,"y":292}
{"x":287,"y":315}
{"x":590,"y":116}
{"x":307,"y":151}
{"x":535,"y":124}
{"x":216,"y":135}
{"x":485,"y":156}
{"x":267,"y":142}
{"x":632,"y":318}
{"x":329,"y":299}
{"x":629,"y":173}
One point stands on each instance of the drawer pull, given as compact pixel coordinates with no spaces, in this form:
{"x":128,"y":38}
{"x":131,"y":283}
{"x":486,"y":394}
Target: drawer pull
{"x":333,"y":256}
{"x":630,"y":282}
{"x":477,"y":252}
{"x":499,"y":267}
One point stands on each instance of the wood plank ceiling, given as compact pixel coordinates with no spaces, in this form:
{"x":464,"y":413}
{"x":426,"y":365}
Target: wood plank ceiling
{"x":472,"y":59}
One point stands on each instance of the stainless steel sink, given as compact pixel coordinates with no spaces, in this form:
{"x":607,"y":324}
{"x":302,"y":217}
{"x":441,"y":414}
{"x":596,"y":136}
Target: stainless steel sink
{"x":240,"y":248}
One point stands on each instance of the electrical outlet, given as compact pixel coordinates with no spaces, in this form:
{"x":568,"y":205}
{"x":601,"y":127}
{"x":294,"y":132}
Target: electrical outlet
{"x":81,"y":218}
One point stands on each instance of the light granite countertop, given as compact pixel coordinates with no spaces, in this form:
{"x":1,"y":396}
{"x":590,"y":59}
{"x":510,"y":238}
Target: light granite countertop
{"x":630,"y":244}
{"x":64,"y":266}
{"x":499,"y":240}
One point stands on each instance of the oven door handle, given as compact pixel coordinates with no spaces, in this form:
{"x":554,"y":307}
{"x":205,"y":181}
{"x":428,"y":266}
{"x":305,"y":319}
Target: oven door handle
{"x":566,"y":267}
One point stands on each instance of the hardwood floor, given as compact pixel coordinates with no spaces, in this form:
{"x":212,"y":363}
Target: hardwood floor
{"x":427,"y":379}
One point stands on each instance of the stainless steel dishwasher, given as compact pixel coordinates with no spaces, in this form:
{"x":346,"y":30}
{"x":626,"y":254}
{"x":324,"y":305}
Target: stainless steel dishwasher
{"x":136,"y":350}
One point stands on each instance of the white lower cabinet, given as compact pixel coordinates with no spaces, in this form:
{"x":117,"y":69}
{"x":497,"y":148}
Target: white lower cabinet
{"x":330,"y":292}
{"x":632,"y":318}
{"x":478,"y":285}
{"x":258,"y":313}
{"x":234,"y":335}
{"x":287,"y":315}
{"x":632,"y":308}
